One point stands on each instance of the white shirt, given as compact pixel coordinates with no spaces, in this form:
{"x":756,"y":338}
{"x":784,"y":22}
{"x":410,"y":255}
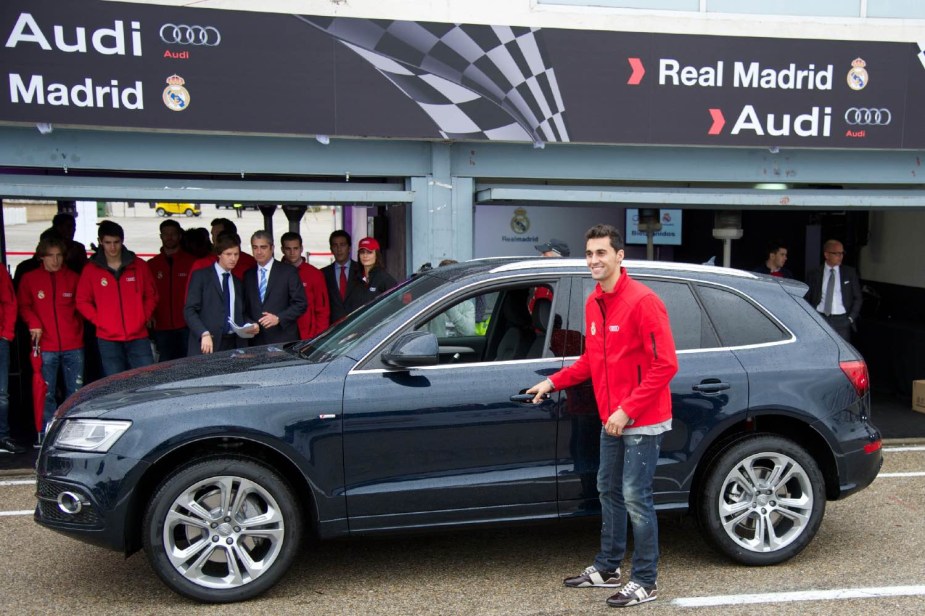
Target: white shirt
{"x":838,"y":306}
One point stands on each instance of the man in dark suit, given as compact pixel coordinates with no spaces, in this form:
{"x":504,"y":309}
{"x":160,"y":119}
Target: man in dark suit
{"x":211,"y":293}
{"x":344,"y":277}
{"x":835,"y":290}
{"x":273,"y":294}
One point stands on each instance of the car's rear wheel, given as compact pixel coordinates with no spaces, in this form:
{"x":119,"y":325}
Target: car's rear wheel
{"x":160,"y":212}
{"x":222,"y":529}
{"x":763,"y":500}
{"x":189,"y":212}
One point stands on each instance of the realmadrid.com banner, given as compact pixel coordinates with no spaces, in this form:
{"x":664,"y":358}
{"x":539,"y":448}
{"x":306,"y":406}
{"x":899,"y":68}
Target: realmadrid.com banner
{"x":107,"y":64}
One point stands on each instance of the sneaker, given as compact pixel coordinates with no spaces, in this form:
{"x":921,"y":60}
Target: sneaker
{"x":591,"y":577}
{"x":633,"y":594}
{"x":8,"y":445}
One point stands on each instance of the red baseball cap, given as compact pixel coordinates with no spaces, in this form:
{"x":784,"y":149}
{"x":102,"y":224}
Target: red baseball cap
{"x":368,"y":243}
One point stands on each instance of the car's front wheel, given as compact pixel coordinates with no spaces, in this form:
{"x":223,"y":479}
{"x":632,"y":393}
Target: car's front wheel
{"x":160,"y":212}
{"x":763,"y":500}
{"x":188,"y":212}
{"x":222,"y":529}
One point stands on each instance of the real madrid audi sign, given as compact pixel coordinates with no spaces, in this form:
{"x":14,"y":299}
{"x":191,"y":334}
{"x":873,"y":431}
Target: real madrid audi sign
{"x":167,"y":68}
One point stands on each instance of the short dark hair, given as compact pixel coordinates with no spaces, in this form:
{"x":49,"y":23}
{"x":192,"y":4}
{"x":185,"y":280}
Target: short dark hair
{"x":51,"y":242}
{"x":602,"y":230}
{"x":340,"y":233}
{"x":773,"y":246}
{"x":111,"y":229}
{"x":170,"y":223}
{"x":262,"y":234}
{"x":290,"y":236}
{"x":51,"y":233}
{"x":226,"y":224}
{"x":226,"y":240}
{"x":62,"y":217}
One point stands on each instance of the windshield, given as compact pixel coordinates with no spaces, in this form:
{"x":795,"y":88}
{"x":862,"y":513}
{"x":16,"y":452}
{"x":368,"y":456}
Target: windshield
{"x":340,"y":338}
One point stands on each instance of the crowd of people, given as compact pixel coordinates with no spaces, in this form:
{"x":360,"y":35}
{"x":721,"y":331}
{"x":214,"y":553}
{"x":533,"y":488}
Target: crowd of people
{"x":96,"y":316}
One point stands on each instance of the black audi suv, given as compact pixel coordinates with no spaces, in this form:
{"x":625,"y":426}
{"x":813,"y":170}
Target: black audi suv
{"x":406,"y":415}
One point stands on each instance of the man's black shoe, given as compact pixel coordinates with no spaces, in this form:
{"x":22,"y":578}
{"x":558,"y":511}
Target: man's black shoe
{"x":8,"y":445}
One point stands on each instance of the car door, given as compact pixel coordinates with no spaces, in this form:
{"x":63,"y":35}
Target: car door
{"x":709,"y":390}
{"x":444,"y":444}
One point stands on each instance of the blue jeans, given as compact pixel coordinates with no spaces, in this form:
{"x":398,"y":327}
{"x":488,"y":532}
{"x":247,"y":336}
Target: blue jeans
{"x":72,"y":367}
{"x":624,"y":481}
{"x":4,"y":386}
{"x":118,"y":357}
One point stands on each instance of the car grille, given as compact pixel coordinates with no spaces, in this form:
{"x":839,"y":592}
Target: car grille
{"x":47,"y":492}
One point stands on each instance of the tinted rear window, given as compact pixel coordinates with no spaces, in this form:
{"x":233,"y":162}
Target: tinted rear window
{"x":737,"y":320}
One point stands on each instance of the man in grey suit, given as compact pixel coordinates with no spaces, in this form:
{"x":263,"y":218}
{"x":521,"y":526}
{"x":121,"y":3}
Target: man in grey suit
{"x":273,"y":294}
{"x":835,"y":290}
{"x":214,"y":294}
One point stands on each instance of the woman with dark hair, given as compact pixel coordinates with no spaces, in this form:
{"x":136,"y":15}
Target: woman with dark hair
{"x":377,"y":280}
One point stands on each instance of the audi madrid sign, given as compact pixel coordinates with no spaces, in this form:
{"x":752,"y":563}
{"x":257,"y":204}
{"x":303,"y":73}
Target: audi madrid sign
{"x":156,"y":67}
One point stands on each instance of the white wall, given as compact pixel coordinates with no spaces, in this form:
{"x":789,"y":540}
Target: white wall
{"x":895,"y":250}
{"x":529,"y":13}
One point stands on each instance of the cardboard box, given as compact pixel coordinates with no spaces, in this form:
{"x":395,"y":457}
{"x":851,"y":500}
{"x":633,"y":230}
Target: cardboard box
{"x":918,"y":396}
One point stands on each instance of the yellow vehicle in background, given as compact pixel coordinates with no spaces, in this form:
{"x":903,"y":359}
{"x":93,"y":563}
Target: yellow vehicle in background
{"x":169,"y":209}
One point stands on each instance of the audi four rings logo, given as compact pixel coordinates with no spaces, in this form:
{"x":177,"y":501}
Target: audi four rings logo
{"x":862,"y":116}
{"x":181,"y":34}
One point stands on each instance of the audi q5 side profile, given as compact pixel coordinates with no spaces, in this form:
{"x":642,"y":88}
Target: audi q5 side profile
{"x":408,"y":414}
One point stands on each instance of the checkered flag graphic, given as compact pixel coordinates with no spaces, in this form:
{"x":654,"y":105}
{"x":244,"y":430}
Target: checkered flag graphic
{"x":475,"y":82}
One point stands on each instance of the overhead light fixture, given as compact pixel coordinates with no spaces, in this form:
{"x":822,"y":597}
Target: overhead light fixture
{"x":772,"y":186}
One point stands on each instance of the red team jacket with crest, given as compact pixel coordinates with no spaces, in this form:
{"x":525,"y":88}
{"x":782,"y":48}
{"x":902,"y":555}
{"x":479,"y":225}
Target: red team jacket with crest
{"x":171,"y":277}
{"x":318,"y":315}
{"x":629,"y":353}
{"x":48,"y":301}
{"x":119,"y":307}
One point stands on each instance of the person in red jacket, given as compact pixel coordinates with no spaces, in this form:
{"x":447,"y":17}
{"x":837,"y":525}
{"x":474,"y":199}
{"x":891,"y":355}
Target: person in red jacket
{"x":117,"y":294}
{"x":630,"y":358}
{"x":7,"y":330}
{"x":245,"y":261}
{"x":171,"y":270}
{"x":48,"y":306}
{"x":318,"y":316}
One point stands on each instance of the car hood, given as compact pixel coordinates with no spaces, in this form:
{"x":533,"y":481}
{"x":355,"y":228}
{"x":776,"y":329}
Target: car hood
{"x":265,"y":366}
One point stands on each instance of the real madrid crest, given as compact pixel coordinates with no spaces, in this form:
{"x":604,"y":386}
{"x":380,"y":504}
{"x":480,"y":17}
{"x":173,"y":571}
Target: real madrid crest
{"x":520,"y":223}
{"x":40,"y":294}
{"x":857,"y":76}
{"x":593,"y":328}
{"x":176,"y":97}
{"x":104,"y":282}
{"x":160,"y":275}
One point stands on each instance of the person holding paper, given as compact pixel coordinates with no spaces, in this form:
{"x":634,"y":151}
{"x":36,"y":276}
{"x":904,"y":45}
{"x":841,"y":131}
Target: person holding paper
{"x":213,"y":296}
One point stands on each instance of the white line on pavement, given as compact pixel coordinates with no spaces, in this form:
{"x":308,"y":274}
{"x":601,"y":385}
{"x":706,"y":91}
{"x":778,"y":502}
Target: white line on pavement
{"x":806,"y":595}
{"x":18,"y":482}
{"x":913,"y":474}
{"x":902,"y":449}
{"x":20,"y":512}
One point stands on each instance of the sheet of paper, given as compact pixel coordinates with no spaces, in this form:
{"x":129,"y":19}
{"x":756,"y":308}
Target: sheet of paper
{"x":243,"y":331}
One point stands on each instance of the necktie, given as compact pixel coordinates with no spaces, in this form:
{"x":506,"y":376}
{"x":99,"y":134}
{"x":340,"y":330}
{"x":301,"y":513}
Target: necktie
{"x":829,"y":293}
{"x":262,"y":288}
{"x":226,"y":293}
{"x":343,"y":281}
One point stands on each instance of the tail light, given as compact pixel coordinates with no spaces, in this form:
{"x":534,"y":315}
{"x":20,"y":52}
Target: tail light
{"x":856,"y":371}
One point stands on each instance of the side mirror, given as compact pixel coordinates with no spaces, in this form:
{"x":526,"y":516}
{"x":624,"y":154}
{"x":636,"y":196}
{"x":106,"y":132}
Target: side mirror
{"x":413,"y":349}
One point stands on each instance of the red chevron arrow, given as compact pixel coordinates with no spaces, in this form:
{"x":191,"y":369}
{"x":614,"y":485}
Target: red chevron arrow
{"x":718,"y":121}
{"x":638,"y":71}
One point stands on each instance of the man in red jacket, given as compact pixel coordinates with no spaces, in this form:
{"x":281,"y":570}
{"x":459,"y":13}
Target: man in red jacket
{"x":47,"y":304}
{"x":7,"y":329}
{"x":316,"y":319}
{"x":171,"y":270}
{"x":630,"y":358}
{"x":117,"y":294}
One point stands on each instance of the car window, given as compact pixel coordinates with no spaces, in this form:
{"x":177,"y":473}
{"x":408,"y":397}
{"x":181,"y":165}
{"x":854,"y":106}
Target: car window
{"x":738,"y":321}
{"x":499,"y":325}
{"x":689,"y":326}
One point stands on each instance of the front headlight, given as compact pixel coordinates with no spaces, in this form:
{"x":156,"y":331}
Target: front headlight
{"x":90,"y":434}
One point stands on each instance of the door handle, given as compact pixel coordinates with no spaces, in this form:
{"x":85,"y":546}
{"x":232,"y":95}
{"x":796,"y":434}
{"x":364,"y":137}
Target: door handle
{"x":711,"y":386}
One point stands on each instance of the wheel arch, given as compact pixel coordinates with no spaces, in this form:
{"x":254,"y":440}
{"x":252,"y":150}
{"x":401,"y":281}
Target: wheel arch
{"x":214,"y":446}
{"x":777,"y":424}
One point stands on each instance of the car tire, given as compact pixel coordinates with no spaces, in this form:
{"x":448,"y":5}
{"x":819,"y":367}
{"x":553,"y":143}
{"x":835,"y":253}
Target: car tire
{"x":160,"y":212}
{"x":236,"y":542}
{"x":189,"y":213}
{"x":763,"y":500}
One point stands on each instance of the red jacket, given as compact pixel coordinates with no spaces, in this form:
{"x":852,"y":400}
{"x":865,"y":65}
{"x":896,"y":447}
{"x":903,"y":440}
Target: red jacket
{"x":7,"y":306}
{"x":171,"y":277}
{"x":318,"y":316}
{"x":629,"y":353}
{"x":48,"y":301}
{"x":119,"y":307}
